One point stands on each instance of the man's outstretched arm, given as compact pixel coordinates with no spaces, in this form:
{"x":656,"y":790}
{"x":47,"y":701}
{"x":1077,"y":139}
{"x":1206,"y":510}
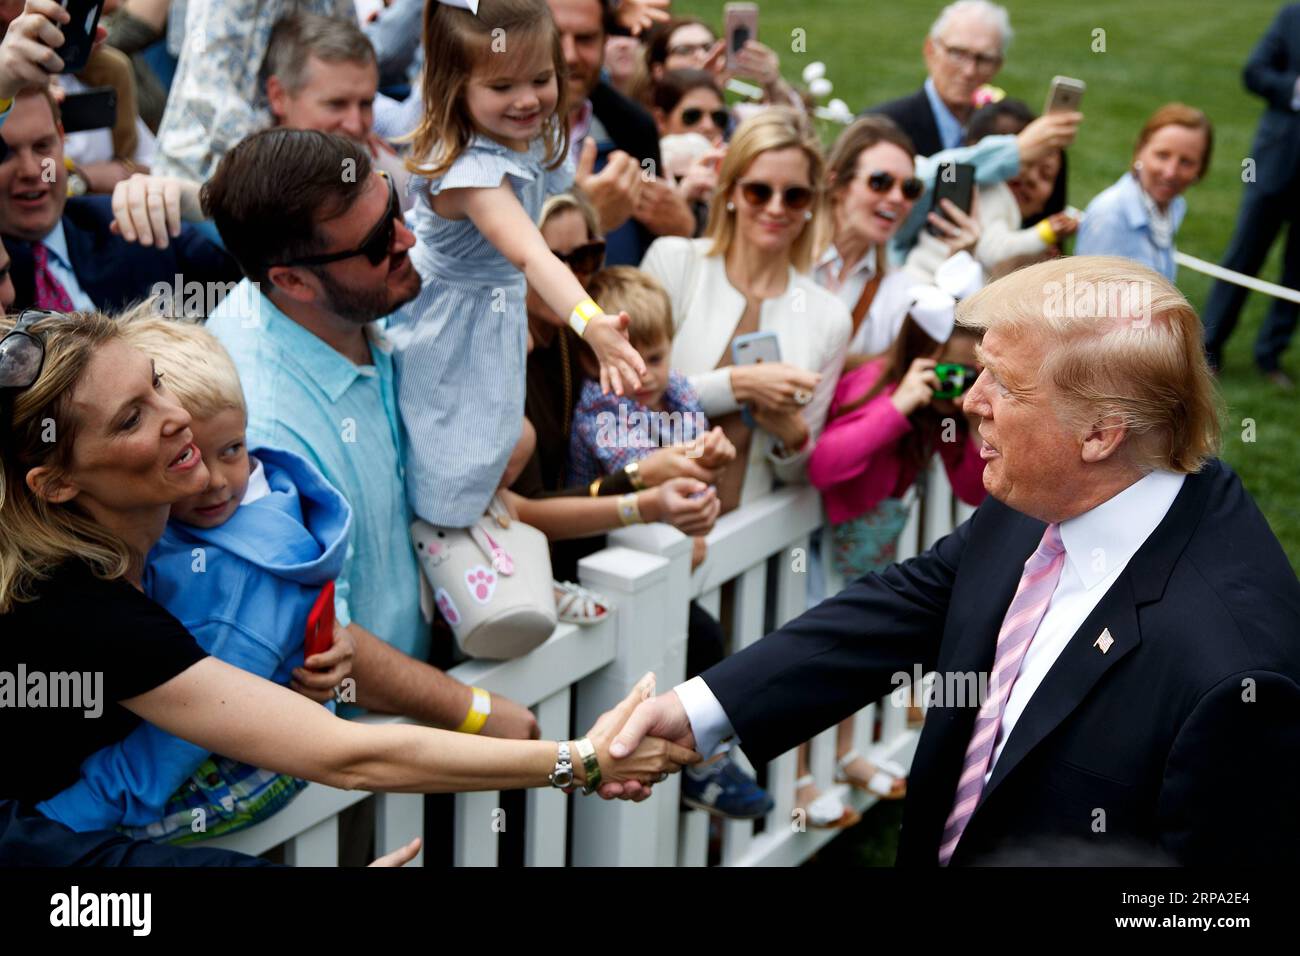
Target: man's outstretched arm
{"x":824,"y":665}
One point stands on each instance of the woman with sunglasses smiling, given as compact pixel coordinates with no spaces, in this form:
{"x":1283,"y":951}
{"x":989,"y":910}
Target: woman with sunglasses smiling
{"x":750,"y":274}
{"x":873,"y":187}
{"x":693,"y":120}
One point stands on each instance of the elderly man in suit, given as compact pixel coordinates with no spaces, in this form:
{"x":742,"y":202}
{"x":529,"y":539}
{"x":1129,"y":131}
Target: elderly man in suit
{"x":1271,"y":200}
{"x":1133,"y":619}
{"x":962,"y":52}
{"x":64,"y":254}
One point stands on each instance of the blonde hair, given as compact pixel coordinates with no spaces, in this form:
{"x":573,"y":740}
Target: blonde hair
{"x":1118,"y":341}
{"x":198,"y":369}
{"x":778,"y":127}
{"x":456,"y":42}
{"x":565,"y":202}
{"x":40,"y":535}
{"x":625,"y":289}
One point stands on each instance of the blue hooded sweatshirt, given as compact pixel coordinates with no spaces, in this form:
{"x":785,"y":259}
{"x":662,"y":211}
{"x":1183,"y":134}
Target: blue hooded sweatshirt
{"x":244,"y":590}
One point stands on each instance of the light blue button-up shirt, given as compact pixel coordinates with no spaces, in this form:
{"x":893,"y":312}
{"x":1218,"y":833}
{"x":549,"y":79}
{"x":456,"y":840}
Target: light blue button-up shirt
{"x":949,"y":125}
{"x":1116,"y":224}
{"x":304,"y":396}
{"x":61,"y":268}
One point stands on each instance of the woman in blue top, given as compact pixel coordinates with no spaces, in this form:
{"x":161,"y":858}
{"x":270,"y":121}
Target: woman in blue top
{"x":1139,"y":216}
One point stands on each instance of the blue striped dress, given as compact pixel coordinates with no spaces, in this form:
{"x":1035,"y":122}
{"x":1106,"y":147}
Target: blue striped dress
{"x":461,"y":344}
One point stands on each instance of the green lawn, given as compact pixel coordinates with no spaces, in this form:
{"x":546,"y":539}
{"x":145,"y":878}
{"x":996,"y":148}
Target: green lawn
{"x":1155,"y":51}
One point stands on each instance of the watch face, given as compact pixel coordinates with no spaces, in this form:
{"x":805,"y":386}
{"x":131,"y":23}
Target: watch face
{"x":562,"y":778}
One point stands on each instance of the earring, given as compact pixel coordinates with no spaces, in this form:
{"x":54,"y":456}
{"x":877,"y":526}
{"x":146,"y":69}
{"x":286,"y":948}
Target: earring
{"x":731,"y":207}
{"x":1137,"y":165}
{"x":808,"y":215}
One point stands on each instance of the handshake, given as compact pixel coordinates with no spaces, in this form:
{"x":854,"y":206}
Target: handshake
{"x":640,"y":741}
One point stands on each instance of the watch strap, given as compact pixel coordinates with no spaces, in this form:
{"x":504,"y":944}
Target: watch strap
{"x":591,"y":766}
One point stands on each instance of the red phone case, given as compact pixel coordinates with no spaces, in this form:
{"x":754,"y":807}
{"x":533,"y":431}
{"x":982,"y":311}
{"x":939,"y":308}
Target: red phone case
{"x":320,"y":623}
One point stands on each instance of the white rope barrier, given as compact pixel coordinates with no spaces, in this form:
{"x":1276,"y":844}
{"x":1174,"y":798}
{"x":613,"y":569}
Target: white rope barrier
{"x":1227,"y":275}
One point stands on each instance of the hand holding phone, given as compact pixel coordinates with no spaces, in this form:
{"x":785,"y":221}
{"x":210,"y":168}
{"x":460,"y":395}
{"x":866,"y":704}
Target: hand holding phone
{"x":28,"y":54}
{"x":956,"y":183}
{"x":1065,"y":95}
{"x":752,"y":349}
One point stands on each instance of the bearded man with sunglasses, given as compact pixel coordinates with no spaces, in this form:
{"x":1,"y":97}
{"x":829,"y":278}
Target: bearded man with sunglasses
{"x":323,"y":261}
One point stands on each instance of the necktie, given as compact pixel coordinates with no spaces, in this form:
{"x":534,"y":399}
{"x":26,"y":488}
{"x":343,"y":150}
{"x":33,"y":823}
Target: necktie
{"x":50,"y":293}
{"x":1037,"y":584}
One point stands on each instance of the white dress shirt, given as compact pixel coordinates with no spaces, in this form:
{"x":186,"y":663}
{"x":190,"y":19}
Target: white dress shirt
{"x":61,"y":268}
{"x":1098,"y":546}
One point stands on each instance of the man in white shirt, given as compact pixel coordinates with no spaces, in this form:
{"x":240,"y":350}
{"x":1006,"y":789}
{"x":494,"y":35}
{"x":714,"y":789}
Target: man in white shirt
{"x":1132,"y":616}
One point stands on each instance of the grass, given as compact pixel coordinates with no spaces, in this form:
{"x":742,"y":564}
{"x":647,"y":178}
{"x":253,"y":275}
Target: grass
{"x":1156,"y":51}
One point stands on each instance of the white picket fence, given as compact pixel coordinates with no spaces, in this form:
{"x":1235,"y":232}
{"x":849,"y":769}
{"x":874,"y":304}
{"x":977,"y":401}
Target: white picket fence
{"x":646,"y":573}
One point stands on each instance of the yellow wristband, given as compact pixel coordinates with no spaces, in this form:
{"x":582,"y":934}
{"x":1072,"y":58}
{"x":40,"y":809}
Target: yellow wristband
{"x":583,"y":312}
{"x":593,"y":489}
{"x":1046,"y":232}
{"x":480,"y":708}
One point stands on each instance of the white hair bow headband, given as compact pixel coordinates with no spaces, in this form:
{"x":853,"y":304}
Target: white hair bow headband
{"x":934,"y":306}
{"x":470,"y":5}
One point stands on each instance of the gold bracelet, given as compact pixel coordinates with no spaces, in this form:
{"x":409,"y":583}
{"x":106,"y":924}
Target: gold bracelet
{"x":1046,"y":232}
{"x":593,"y":489}
{"x":629,"y":512}
{"x":480,"y":708}
{"x":582,"y":313}
{"x":633,"y":471}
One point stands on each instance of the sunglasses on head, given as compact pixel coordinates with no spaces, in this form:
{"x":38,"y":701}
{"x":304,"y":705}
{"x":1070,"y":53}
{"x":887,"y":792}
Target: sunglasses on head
{"x":586,"y":258}
{"x":693,"y":114}
{"x":377,"y":242}
{"x":883,"y":182}
{"x":792,"y":197}
{"x":22,"y":352}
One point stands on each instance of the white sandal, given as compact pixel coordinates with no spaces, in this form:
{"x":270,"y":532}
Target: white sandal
{"x":882,"y":781}
{"x":826,"y":812}
{"x":575,"y":604}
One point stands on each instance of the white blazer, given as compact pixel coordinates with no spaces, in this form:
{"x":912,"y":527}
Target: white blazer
{"x":811,"y":324}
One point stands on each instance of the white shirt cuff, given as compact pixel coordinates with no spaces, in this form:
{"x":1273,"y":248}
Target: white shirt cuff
{"x":709,"y":722}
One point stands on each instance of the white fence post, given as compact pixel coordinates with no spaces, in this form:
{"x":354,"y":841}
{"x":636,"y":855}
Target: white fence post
{"x":648,"y":620}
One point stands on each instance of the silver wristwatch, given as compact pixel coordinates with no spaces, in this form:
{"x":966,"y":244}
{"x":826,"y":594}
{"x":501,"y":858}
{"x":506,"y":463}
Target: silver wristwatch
{"x":562,"y":775}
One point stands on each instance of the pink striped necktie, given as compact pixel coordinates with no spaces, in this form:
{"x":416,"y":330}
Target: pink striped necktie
{"x":50,"y":293}
{"x":1037,"y":584}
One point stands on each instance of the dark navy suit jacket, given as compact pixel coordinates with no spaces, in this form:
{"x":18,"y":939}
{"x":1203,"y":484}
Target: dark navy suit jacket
{"x":914,"y":116}
{"x":1181,"y":743}
{"x":1271,"y":73}
{"x":114,"y":272}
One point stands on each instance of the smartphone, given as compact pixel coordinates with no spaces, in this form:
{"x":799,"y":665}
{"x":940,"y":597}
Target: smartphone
{"x":320,"y":623}
{"x":739,"y":26}
{"x":78,"y":33}
{"x":1065,"y":95}
{"x":955,"y":182}
{"x":95,"y":108}
{"x":750,"y":349}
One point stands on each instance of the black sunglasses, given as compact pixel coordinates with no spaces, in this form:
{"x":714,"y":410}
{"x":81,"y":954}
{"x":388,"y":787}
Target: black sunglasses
{"x":586,"y":258}
{"x":792,"y":197}
{"x":882,"y":182}
{"x":22,"y":352}
{"x":693,"y":114}
{"x":377,"y":242}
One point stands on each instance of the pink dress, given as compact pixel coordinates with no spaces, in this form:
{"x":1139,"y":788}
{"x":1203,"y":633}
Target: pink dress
{"x":856,"y":466}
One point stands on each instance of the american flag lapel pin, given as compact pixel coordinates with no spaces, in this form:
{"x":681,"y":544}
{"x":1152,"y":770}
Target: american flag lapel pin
{"x":1104,"y":641}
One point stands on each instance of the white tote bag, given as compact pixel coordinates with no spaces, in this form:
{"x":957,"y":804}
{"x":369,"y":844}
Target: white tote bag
{"x":491,"y":581}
